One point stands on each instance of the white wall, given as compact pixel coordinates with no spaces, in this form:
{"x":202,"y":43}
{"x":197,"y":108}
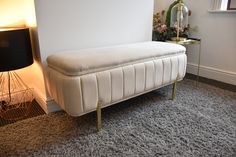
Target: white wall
{"x":218,"y":34}
{"x":76,"y":24}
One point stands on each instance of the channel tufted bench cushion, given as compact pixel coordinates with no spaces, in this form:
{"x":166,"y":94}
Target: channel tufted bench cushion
{"x":78,"y":79}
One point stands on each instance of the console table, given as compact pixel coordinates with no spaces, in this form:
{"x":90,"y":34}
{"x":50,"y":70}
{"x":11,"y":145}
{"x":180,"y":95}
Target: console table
{"x":192,"y":41}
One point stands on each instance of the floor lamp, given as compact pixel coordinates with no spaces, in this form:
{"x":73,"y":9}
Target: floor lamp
{"x":15,"y":53}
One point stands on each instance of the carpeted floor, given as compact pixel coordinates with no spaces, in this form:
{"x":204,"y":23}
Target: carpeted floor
{"x":199,"y":122}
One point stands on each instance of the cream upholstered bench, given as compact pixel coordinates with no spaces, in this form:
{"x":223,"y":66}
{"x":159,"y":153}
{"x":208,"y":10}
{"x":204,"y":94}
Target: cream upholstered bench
{"x":78,"y":80}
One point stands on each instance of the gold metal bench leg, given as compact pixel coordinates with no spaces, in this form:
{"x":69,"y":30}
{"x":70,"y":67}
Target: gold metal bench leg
{"x":99,"y":116}
{"x":174,"y":90}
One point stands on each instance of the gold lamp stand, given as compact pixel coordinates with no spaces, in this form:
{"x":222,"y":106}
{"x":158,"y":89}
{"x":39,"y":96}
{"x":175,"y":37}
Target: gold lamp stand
{"x":15,"y":96}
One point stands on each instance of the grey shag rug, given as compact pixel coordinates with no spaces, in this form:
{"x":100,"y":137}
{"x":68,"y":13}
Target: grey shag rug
{"x":199,"y":122}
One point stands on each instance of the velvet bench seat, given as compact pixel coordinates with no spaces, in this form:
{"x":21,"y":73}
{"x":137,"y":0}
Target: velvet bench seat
{"x":77,"y":80}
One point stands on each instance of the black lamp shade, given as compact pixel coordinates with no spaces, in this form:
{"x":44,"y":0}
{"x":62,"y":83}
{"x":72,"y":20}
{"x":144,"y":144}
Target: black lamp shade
{"x":15,"y":49}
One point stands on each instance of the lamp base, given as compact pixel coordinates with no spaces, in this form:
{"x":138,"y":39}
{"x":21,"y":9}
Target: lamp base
{"x":178,"y":39}
{"x":15,"y":112}
{"x":15,"y":97}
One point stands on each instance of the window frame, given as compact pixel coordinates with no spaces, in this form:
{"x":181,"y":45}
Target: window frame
{"x":229,"y":7}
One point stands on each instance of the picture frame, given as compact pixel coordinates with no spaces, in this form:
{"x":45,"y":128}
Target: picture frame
{"x":231,"y":5}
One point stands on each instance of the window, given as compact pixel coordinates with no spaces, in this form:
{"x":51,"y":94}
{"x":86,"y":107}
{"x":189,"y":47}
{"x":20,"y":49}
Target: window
{"x":231,"y":5}
{"x":219,"y":4}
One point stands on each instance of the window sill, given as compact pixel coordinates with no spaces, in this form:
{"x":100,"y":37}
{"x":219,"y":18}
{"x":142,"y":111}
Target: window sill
{"x":222,"y":11}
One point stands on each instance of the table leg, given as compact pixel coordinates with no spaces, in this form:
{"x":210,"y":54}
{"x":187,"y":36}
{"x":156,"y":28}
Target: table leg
{"x":199,"y":61}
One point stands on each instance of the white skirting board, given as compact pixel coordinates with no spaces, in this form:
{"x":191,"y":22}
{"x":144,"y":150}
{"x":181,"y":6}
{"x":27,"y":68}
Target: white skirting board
{"x":213,"y":73}
{"x":40,"y":100}
{"x":53,"y":106}
{"x":47,"y":105}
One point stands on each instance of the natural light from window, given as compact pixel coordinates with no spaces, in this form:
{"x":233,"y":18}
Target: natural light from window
{"x":220,"y":4}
